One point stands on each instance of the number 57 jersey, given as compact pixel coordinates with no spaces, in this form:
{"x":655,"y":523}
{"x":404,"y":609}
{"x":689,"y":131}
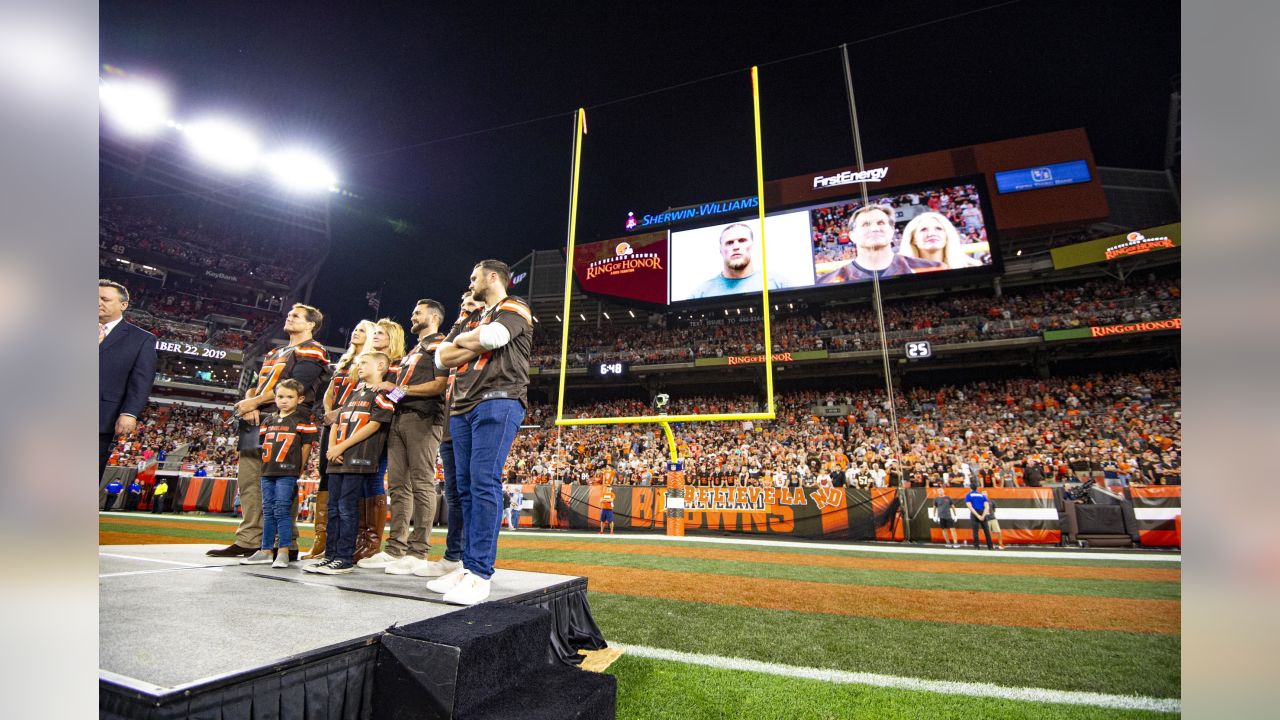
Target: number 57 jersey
{"x":363,"y":406}
{"x":282,"y":440}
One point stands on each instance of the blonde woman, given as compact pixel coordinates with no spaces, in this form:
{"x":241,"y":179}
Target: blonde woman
{"x":334,"y":395}
{"x":931,"y":236}
{"x":387,"y":337}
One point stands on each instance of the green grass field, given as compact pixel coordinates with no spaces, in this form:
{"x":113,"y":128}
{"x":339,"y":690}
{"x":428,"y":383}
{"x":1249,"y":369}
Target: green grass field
{"x":691,"y":614}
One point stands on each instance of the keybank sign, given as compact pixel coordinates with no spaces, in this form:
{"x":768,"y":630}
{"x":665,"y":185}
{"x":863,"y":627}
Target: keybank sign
{"x":848,"y":177}
{"x":691,"y":212}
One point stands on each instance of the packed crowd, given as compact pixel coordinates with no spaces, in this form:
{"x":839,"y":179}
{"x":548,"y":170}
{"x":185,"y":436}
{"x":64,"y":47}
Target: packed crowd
{"x":241,"y":250}
{"x":1015,"y":432}
{"x":165,"y":429}
{"x":958,"y":318}
{"x":174,"y":314}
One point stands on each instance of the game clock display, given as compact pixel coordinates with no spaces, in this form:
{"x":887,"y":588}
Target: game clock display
{"x":610,"y":370}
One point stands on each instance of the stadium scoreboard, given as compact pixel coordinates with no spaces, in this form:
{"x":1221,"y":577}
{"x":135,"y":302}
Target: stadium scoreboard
{"x":610,"y":369}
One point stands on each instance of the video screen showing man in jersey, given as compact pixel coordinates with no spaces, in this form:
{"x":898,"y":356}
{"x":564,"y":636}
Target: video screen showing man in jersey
{"x":872,"y":230}
{"x":489,"y":397}
{"x":740,"y":270}
{"x":412,"y":444}
{"x":302,"y":359}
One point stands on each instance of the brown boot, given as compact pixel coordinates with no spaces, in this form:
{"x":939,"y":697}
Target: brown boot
{"x":362,"y":529}
{"x":322,"y":525}
{"x":373,"y":524}
{"x":377,"y":523}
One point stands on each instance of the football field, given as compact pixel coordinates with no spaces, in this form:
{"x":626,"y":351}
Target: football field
{"x":740,"y":628}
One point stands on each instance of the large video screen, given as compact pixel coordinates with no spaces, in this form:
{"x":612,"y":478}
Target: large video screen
{"x":942,"y":228}
{"x":939,"y":227}
{"x":725,"y":259}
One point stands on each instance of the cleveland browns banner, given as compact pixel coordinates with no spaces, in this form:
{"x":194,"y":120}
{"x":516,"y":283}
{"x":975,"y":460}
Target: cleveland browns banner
{"x":206,"y":494}
{"x":1026,"y":515}
{"x":1157,"y":509}
{"x":829,"y":513}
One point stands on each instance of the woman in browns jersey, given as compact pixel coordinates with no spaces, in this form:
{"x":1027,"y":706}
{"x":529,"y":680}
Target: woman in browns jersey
{"x":340,"y":386}
{"x":387,"y":338}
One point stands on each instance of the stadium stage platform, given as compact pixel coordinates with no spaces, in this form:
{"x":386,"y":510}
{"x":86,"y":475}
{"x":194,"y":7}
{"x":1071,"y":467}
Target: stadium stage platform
{"x":182,"y":635}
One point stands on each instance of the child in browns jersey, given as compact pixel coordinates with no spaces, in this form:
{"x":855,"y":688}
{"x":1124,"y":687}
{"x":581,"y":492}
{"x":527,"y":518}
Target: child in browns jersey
{"x":356,"y":442}
{"x":286,"y":437}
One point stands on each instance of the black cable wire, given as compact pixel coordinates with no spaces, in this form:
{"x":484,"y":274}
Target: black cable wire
{"x":708,"y":78}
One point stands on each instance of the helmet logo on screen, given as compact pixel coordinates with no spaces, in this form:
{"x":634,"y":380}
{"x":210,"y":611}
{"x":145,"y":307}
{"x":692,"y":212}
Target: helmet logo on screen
{"x":1136,"y":244}
{"x":623,"y":248}
{"x":848,"y":177}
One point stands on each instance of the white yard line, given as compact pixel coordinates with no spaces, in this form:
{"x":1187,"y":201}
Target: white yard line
{"x":1039,"y":695}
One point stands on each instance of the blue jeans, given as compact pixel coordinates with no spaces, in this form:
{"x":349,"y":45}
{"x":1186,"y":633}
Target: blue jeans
{"x":375,"y":484}
{"x":481,"y":440}
{"x":452,"y":538}
{"x":277,"y":499}
{"x":344,"y":496}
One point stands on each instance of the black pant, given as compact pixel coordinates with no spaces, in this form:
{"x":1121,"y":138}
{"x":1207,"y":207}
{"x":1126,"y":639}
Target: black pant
{"x":975,"y":523}
{"x":105,"y":440}
{"x":157,"y":503}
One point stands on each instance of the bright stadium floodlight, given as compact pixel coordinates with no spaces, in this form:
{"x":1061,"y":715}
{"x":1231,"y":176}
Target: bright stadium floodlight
{"x":136,"y":108}
{"x":301,"y":171}
{"x":223,"y":144}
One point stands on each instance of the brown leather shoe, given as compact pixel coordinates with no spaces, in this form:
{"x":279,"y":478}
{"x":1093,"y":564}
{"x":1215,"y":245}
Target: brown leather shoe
{"x":232,"y":550}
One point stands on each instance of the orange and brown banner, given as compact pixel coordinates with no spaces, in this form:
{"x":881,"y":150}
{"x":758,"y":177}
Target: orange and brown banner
{"x":1158,"y":509}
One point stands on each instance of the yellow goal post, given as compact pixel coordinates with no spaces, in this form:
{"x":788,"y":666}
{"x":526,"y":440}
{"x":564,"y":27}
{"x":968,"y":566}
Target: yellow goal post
{"x":664,"y":420}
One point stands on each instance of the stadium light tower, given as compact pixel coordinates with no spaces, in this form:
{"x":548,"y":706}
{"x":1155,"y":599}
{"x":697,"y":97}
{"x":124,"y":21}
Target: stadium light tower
{"x":223,"y":144}
{"x":136,"y":108}
{"x":301,"y":170}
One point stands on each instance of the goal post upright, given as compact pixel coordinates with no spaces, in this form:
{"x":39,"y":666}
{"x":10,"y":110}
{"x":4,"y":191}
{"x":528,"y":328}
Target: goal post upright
{"x":770,"y":413}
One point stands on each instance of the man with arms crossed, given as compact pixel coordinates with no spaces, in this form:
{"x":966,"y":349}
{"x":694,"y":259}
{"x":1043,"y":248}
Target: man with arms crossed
{"x":412,"y":446}
{"x":302,"y":359}
{"x":488,"y":403}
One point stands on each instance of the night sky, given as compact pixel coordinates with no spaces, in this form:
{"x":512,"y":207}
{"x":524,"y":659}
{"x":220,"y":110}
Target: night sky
{"x":376,"y":90}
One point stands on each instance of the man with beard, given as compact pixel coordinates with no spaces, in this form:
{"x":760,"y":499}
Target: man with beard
{"x":303,"y":359}
{"x":740,"y":273}
{"x":489,"y":397}
{"x":411,"y":447}
{"x":871,"y":228}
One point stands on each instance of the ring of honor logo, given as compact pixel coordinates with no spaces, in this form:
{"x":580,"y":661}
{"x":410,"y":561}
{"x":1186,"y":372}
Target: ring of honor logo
{"x":625,"y":260}
{"x":1136,"y":244}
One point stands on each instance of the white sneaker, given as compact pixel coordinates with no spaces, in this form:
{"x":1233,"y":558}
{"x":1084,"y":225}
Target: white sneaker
{"x":282,"y":560}
{"x":471,"y":590}
{"x":262,"y":557}
{"x":436,"y":568}
{"x":447,"y":582}
{"x":405,"y":565}
{"x":377,"y":561}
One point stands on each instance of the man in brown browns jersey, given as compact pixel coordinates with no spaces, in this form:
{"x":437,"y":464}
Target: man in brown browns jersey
{"x":489,"y":398}
{"x":302,"y":359}
{"x":412,"y":445}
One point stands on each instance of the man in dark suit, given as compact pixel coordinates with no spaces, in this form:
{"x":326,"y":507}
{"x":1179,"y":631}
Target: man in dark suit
{"x":126,"y":369}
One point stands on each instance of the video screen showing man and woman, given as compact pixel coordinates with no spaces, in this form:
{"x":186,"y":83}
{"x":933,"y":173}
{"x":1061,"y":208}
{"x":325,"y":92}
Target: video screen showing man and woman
{"x":894,"y":234}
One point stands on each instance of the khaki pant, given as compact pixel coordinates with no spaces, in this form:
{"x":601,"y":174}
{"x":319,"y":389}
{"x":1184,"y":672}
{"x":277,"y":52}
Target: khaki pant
{"x":412,"y":447}
{"x":249,"y":482}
